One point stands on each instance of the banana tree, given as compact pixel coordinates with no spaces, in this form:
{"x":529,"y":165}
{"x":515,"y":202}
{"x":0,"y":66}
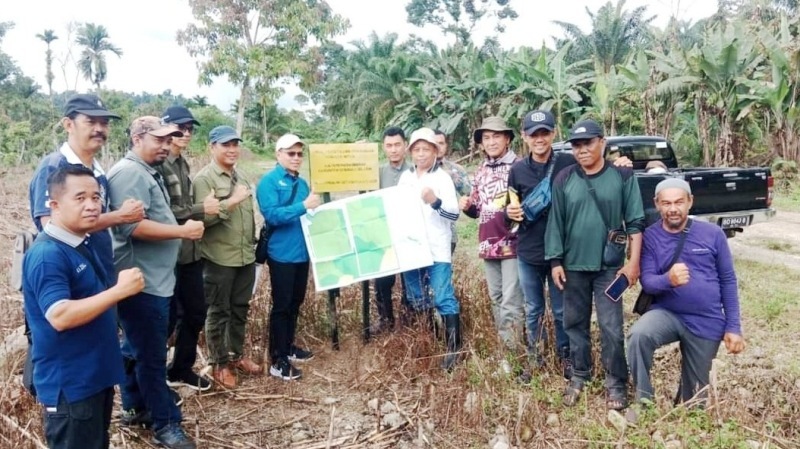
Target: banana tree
{"x":778,"y":90}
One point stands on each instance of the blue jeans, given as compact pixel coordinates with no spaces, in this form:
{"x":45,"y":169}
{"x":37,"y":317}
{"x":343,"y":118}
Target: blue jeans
{"x":581,"y":287}
{"x":532,"y":280}
{"x":441,"y":286}
{"x":144,"y":320}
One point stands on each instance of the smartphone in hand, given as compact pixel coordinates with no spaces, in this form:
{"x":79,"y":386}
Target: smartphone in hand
{"x":615,"y":290}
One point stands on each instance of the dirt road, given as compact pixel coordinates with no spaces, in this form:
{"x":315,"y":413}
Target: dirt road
{"x":775,"y":242}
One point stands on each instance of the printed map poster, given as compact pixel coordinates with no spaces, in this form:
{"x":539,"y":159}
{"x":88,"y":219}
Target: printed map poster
{"x":343,"y":167}
{"x":366,"y":236}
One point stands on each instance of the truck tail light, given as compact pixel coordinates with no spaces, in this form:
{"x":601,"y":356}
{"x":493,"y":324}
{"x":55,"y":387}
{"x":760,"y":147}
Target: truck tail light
{"x":770,"y":190}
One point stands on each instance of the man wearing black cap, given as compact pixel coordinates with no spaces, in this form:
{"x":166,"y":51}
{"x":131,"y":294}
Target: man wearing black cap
{"x":187,"y":313}
{"x":541,"y":165}
{"x":86,"y":122}
{"x":596,"y":208}
{"x":152,"y":245}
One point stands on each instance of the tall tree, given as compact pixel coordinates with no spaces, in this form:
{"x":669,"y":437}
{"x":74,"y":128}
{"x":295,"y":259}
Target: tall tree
{"x":95,"y":42}
{"x":459,"y":17}
{"x":257,"y":42}
{"x":616,"y":33}
{"x":48,"y":37}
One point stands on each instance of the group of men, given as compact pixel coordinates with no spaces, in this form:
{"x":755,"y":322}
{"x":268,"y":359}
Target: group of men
{"x":151,"y":250}
{"x":572,"y":251}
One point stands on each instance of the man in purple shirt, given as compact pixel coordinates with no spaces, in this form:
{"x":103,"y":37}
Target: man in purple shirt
{"x":695,"y":301}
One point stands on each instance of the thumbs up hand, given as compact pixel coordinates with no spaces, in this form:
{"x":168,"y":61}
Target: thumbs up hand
{"x":312,"y":201}
{"x":211,"y":204}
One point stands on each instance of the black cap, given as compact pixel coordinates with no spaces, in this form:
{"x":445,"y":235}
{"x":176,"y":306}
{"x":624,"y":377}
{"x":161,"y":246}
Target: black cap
{"x":585,"y":129}
{"x":536,"y":120}
{"x":178,"y":115}
{"x":87,"y":104}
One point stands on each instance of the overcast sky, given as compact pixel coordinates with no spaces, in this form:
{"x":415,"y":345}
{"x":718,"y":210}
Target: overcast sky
{"x":152,"y":61}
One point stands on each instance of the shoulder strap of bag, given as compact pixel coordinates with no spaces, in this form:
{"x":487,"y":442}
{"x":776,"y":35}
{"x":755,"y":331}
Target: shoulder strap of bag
{"x":681,"y":241}
{"x":550,"y":167}
{"x":594,"y":196}
{"x":294,"y":192}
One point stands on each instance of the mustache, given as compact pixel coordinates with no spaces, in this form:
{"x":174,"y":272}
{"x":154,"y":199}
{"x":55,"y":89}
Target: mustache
{"x":100,"y":135}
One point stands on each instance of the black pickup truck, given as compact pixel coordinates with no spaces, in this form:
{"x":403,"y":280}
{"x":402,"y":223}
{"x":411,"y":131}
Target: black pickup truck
{"x":732,"y":198}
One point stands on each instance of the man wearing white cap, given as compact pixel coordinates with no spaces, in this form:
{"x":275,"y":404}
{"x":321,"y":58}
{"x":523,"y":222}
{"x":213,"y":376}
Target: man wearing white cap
{"x":696,"y":301}
{"x":283,"y":197}
{"x":439,"y":207}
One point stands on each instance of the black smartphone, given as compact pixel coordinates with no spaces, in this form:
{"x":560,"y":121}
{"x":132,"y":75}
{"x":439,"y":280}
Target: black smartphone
{"x":617,"y":288}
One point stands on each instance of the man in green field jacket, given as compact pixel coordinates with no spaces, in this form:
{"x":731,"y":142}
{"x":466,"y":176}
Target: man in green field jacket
{"x":228,"y":253}
{"x":187,"y":313}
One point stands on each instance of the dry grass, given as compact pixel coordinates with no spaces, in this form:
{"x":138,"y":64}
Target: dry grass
{"x":342,"y":400}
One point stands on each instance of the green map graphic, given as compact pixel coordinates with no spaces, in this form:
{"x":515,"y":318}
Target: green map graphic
{"x":363,"y":251}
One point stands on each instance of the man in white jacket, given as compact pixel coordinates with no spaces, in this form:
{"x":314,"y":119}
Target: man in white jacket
{"x":440,"y":208}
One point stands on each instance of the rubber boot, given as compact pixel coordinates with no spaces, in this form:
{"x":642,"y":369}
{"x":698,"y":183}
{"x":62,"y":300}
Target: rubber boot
{"x":452,"y":331}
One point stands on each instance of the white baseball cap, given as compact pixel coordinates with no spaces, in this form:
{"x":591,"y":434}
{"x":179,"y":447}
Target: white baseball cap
{"x":425,"y":134}
{"x":287,"y":141}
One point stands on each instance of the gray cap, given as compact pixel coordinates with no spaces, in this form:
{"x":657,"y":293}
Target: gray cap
{"x":673,"y":183}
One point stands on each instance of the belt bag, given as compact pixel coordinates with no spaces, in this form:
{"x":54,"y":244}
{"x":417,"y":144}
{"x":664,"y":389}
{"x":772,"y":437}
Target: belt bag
{"x":614,"y":250}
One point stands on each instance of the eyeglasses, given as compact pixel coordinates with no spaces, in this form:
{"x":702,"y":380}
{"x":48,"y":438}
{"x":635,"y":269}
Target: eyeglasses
{"x":186,"y":128}
{"x":293,"y":153}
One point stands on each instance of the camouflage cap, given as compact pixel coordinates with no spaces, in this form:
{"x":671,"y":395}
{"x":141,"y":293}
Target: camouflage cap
{"x":154,"y":126}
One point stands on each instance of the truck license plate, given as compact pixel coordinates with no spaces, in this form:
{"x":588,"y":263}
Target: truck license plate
{"x":735,"y":222}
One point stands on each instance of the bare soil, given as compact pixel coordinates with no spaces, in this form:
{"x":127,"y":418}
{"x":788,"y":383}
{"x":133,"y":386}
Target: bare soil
{"x":776,"y":242}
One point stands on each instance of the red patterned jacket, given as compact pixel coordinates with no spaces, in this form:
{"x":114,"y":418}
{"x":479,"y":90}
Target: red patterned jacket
{"x":488,"y":198}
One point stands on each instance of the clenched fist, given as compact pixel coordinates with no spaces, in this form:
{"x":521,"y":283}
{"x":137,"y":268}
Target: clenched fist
{"x":131,"y":211}
{"x":428,"y":196}
{"x":193,"y":230}
{"x":464,"y":203}
{"x":129,"y":282}
{"x":679,"y":275}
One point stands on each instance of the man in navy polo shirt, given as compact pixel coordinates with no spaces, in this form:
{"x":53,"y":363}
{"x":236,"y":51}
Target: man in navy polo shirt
{"x":69,"y":304}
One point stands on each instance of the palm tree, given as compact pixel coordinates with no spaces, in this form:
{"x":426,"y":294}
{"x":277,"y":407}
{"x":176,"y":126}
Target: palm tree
{"x":95,"y":41}
{"x":48,"y":36}
{"x":616,"y":32}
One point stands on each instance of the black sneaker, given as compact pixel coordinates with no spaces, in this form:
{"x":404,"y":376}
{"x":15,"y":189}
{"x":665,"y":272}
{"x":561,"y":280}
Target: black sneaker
{"x":172,"y":436}
{"x":136,"y":418}
{"x":189,"y":379}
{"x":284,"y":370}
{"x":176,"y":397}
{"x":297,"y":354}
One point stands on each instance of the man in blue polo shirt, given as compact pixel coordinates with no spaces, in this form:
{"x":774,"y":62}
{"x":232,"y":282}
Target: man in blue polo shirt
{"x":86,"y":121}
{"x":69,"y":305}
